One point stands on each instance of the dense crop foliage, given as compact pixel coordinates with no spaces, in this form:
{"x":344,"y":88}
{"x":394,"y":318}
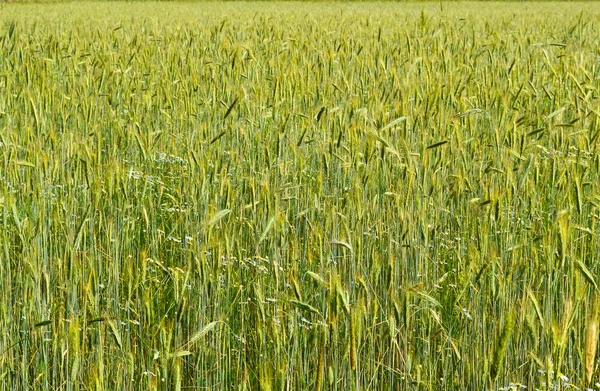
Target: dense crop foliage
{"x":286,"y":196}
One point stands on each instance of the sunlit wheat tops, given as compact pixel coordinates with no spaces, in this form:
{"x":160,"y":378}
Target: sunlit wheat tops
{"x":289,"y":196}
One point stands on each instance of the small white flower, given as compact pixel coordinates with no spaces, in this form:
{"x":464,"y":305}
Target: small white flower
{"x":466,"y":314}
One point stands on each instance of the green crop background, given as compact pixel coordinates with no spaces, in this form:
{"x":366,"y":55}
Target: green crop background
{"x":299,"y":196}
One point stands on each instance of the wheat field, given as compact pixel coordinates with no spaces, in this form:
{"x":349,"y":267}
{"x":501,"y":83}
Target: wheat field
{"x":299,"y":196}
